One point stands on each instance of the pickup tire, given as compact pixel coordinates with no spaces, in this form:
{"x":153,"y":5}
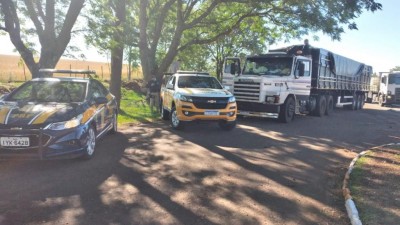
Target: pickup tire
{"x":164,"y":113}
{"x":287,"y":110}
{"x":321,"y":106}
{"x":175,"y":122}
{"x":227,"y":125}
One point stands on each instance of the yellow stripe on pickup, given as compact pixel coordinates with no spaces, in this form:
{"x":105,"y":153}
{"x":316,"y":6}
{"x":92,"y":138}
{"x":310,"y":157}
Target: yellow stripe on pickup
{"x":3,"y":114}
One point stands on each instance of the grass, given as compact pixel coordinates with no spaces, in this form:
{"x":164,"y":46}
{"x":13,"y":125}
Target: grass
{"x":356,"y":187}
{"x":134,"y":108}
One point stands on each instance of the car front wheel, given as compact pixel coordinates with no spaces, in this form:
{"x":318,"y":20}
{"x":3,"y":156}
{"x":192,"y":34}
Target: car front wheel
{"x":90,"y":143}
{"x":175,"y":122}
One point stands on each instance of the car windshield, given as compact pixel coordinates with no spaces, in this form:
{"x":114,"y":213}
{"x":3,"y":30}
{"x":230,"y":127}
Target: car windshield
{"x":50,"y":91}
{"x":268,"y":66}
{"x":394,"y":79}
{"x":198,"y":82}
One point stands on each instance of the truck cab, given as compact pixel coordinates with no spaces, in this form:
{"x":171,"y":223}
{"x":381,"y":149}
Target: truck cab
{"x":389,"y":88}
{"x":273,"y":85}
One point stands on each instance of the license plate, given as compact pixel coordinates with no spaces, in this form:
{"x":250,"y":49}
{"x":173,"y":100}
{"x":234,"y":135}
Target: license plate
{"x":14,"y":141}
{"x":211,"y":113}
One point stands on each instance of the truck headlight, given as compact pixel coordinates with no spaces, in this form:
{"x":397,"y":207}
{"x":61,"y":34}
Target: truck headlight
{"x":74,"y":122}
{"x":185,"y":98}
{"x":232,"y":99}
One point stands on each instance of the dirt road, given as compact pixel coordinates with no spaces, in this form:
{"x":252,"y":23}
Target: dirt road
{"x":263,"y":172}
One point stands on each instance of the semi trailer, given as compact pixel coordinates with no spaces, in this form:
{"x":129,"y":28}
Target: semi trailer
{"x":284,"y":82}
{"x":385,"y":89}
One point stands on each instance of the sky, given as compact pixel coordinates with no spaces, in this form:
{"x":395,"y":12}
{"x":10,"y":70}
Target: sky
{"x":375,"y":43}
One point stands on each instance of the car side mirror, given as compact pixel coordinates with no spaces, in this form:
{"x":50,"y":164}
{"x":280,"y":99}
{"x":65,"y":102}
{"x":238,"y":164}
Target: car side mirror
{"x":170,"y":86}
{"x":100,"y":100}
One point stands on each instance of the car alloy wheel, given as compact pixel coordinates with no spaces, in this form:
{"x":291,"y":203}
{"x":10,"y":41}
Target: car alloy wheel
{"x":90,"y":143}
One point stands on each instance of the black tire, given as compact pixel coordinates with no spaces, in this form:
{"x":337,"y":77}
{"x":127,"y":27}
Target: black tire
{"x":164,"y":113}
{"x":361,"y":102}
{"x":114,"y":123}
{"x":287,"y":110}
{"x":329,"y":105}
{"x":354,"y":105}
{"x":174,"y":121}
{"x":90,"y":144}
{"x":227,"y":125}
{"x":321,"y":106}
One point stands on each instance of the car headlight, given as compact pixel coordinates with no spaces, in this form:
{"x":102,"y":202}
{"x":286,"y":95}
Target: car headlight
{"x":232,"y":99}
{"x":74,"y":122}
{"x":185,"y":98}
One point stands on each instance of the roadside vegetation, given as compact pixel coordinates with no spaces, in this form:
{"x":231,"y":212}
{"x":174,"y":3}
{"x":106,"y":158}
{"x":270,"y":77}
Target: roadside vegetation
{"x":375,"y":186}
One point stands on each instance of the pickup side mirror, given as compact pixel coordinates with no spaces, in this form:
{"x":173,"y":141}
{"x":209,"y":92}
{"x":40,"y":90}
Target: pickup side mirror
{"x":170,"y":86}
{"x":100,"y":100}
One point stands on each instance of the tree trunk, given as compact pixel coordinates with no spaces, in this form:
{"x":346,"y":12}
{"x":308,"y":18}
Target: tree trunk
{"x":117,"y":52}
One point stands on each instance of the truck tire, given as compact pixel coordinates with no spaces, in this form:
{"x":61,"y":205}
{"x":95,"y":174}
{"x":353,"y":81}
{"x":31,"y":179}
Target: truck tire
{"x":361,"y":102}
{"x":354,"y":105}
{"x":321,"y":106}
{"x":329,"y":105}
{"x":227,"y":125}
{"x":287,"y":110}
{"x":175,"y":122}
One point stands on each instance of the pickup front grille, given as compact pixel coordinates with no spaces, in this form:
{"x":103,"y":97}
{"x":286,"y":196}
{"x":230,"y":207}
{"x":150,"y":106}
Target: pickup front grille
{"x":246,"y":91}
{"x":210,"y":103}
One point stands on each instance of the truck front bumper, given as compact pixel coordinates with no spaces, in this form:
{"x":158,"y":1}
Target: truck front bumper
{"x":258,"y":109}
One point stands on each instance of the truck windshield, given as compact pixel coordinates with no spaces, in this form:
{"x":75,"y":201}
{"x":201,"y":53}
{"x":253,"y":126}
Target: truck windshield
{"x":394,"y":78}
{"x":268,"y":66}
{"x":198,"y":82}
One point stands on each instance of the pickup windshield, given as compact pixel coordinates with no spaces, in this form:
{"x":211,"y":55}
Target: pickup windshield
{"x":49,"y":91}
{"x":198,"y":82}
{"x":268,"y":66}
{"x":394,"y":78}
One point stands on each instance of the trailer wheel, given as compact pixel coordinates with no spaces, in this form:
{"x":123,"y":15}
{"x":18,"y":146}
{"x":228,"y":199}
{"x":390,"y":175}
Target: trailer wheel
{"x":321,"y":106}
{"x":329,"y":105}
{"x":286,"y":114}
{"x":361,"y":102}
{"x":354,"y":105}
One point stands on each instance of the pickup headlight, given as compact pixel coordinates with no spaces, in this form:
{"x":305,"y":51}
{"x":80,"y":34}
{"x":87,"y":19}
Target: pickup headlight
{"x":74,"y":122}
{"x":185,"y":98}
{"x":232,"y":99}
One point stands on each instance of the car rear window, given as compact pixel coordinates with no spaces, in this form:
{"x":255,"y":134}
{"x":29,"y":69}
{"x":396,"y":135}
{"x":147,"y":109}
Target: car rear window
{"x":198,"y":82}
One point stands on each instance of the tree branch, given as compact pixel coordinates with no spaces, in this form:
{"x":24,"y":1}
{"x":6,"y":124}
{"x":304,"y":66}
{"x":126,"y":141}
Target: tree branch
{"x":33,"y":16}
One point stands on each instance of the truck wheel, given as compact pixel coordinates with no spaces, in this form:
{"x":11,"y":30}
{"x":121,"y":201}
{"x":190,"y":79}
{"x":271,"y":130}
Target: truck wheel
{"x":164,"y":113}
{"x":287,"y":111}
{"x":175,"y":122}
{"x":354,"y":105}
{"x":227,"y":125}
{"x":329,"y":105}
{"x":360,"y":102}
{"x":321,"y":106}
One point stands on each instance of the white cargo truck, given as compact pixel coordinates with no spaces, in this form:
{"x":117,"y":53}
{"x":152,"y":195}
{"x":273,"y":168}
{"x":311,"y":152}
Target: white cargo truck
{"x":385,"y":89}
{"x":283,"y":83}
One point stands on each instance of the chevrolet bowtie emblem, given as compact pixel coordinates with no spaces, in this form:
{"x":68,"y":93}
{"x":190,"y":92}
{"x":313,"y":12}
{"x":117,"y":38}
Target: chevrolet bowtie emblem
{"x":211,"y":101}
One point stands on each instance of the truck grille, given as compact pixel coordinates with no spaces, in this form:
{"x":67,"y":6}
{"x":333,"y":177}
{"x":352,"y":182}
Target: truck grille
{"x":210,"y":103}
{"x":246,"y":91}
{"x":397,"y":95}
